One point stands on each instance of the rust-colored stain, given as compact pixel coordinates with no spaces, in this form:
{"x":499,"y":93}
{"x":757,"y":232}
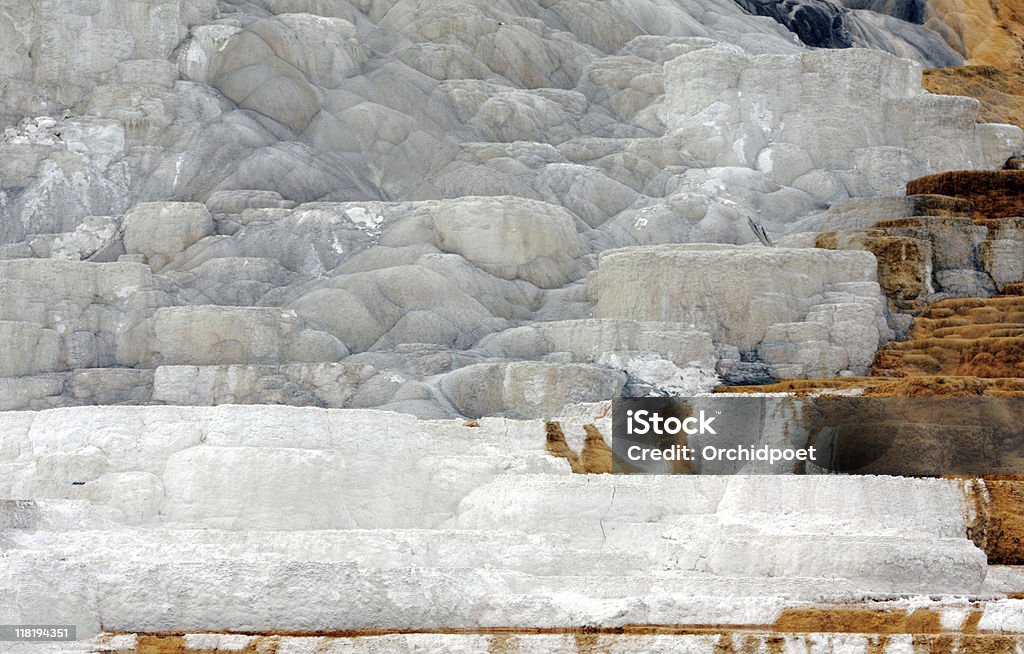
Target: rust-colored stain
{"x":775,"y":644}
{"x":977,"y":527}
{"x":1004,"y":536}
{"x":902,"y":263}
{"x":1000,"y":91}
{"x":588,"y":642}
{"x":827,"y":241}
{"x":972,"y":337}
{"x":940,"y":206}
{"x":998,"y":525}
{"x":995,"y":193}
{"x":724,"y":645}
{"x":556,"y":445}
{"x":175,"y":644}
{"x":859,"y":621}
{"x":503,"y":644}
{"x":878,"y":625}
{"x":979,"y":644}
{"x":955,"y":347}
{"x":595,"y":458}
{"x":160,"y":645}
{"x":917,"y":386}
{"x":877,"y":644}
{"x":970,"y":625}
{"x":959,"y":347}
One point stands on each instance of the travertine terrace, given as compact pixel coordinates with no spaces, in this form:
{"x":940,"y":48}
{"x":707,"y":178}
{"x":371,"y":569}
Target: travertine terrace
{"x":311,"y":312}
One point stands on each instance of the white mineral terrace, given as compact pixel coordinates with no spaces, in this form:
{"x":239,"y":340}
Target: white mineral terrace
{"x":427,"y":226}
{"x":302,"y":520}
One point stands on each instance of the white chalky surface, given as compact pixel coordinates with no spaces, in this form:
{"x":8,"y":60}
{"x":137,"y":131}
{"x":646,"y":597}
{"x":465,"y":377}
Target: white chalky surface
{"x":296,"y":519}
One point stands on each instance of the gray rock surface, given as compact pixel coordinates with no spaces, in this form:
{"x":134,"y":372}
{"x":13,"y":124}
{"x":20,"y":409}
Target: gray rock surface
{"x":806,"y":312}
{"x":524,"y":389}
{"x":212,"y":335}
{"x":894,"y":26}
{"x":347,"y":203}
{"x":431,"y":225}
{"x":88,"y":307}
{"x":160,"y":231}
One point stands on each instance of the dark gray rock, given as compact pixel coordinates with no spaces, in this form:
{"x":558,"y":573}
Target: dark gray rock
{"x":894,"y":26}
{"x":911,"y":11}
{"x":818,"y":23}
{"x":744,"y":373}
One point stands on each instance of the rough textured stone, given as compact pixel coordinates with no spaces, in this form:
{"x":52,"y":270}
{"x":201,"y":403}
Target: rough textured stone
{"x":212,"y":335}
{"x":429,"y":183}
{"x":837,"y":291}
{"x":160,"y":231}
{"x":1003,"y":259}
{"x":589,"y":340}
{"x":97,"y":238}
{"x":331,"y":384}
{"x":985,"y":33}
{"x":730,"y":113}
{"x":213,"y":486}
{"x":533,"y":390}
{"x":236,"y":202}
{"x":994,"y":193}
{"x":29,"y":349}
{"x":88,"y":306}
{"x":512,"y":238}
{"x":905,"y":263}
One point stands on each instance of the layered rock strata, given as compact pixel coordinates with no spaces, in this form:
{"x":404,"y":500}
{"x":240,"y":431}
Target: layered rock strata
{"x":986,"y":33}
{"x":460,"y":210}
{"x":125,"y":509}
{"x":372,"y":207}
{"x":801,"y":311}
{"x":894,"y":27}
{"x":1000,"y":91}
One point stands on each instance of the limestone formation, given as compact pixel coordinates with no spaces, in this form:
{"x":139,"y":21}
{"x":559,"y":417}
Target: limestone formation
{"x":221,"y":335}
{"x":590,"y":340}
{"x":1000,"y":91}
{"x":766,"y":300}
{"x":493,"y":528}
{"x":733,"y":121}
{"x":985,"y":33}
{"x":894,"y":27}
{"x":293,"y":292}
{"x":510,"y":238}
{"x":528,"y":389}
{"x":292,"y":122}
{"x":87,"y":307}
{"x":159,"y":232}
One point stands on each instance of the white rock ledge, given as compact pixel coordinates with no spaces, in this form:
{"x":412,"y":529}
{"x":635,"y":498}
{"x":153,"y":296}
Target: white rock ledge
{"x":270,"y":518}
